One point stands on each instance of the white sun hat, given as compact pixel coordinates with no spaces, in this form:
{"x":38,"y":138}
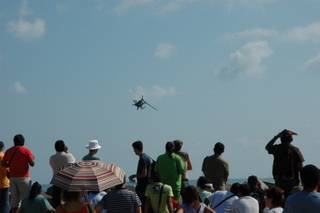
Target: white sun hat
{"x":93,"y":144}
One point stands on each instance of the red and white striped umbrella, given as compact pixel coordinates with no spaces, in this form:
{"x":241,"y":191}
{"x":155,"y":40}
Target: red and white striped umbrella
{"x":88,"y":175}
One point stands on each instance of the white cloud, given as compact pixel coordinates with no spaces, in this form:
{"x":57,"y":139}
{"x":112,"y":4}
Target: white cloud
{"x":252,"y":33}
{"x":26,"y":30}
{"x":18,"y":88}
{"x":156,"y":92}
{"x":125,"y":5}
{"x":247,"y":61}
{"x":312,"y":64}
{"x":309,"y":33}
{"x":25,"y":9}
{"x":164,"y":50}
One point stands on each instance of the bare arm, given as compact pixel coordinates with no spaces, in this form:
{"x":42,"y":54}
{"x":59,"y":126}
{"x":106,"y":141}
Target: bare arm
{"x":98,"y":208}
{"x":180,"y":210}
{"x":169,"y":204}
{"x":189,"y":164}
{"x":208,"y":210}
{"x":138,"y":209}
{"x":272,"y":141}
{"x":147,"y":204}
{"x":142,"y":174}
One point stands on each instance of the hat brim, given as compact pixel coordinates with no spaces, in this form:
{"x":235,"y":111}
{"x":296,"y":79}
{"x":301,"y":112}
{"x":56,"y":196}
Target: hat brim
{"x":93,"y":148}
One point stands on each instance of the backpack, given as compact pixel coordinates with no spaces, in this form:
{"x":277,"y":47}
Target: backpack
{"x":283,"y":164}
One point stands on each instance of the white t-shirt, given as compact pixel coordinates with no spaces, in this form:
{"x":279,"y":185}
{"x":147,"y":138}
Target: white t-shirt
{"x":274,"y":210}
{"x":219,"y":196}
{"x":60,"y":159}
{"x":245,"y":204}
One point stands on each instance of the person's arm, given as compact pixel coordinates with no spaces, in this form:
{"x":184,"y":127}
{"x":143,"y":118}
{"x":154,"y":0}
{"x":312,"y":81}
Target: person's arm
{"x":98,"y":208}
{"x":138,"y":209}
{"x":142,"y":174}
{"x":31,"y":161}
{"x":272,"y":141}
{"x":189,"y":164}
{"x":180,"y":210}
{"x":147,"y":204}
{"x":4,"y":163}
{"x":206,"y":201}
{"x":208,"y":210}
{"x":169,"y":204}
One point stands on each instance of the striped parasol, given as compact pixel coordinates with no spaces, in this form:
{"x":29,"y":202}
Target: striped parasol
{"x":88,"y":175}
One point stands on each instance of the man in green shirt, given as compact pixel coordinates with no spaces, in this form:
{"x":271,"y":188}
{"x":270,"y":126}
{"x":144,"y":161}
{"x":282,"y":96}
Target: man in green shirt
{"x":93,"y":147}
{"x":215,"y":168}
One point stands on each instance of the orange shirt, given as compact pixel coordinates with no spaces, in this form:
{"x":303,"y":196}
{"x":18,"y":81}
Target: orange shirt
{"x":4,"y":181}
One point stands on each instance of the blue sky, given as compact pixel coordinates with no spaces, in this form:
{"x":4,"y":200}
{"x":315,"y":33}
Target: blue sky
{"x":235,"y":71}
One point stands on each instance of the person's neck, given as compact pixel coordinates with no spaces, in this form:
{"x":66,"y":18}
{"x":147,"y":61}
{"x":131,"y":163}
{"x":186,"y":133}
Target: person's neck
{"x":310,"y":189}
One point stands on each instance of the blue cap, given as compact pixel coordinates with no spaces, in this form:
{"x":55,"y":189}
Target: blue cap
{"x":1,"y":144}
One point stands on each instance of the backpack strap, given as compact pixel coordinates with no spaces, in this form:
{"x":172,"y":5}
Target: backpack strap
{"x":160,"y":196}
{"x":223,"y":201}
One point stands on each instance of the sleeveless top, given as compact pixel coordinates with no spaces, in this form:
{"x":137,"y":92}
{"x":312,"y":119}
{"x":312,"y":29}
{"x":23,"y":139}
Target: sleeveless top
{"x":84,"y":209}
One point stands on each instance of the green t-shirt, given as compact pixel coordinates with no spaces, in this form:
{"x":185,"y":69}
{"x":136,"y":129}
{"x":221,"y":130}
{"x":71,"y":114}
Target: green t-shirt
{"x":153,"y":192}
{"x":91,"y":157}
{"x":39,"y":204}
{"x":170,"y":170}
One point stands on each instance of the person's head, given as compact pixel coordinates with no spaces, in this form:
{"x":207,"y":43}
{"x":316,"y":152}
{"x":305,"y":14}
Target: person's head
{"x":35,"y":190}
{"x":204,"y":183}
{"x":177,"y":145}
{"x":253,"y":181}
{"x":155,"y":177}
{"x":244,"y":190}
{"x":18,"y":140}
{"x":1,"y":146}
{"x":190,"y":195}
{"x":93,"y":146}
{"x":218,"y":148}
{"x":286,"y":137}
{"x":67,"y":196}
{"x":274,"y":197}
{"x":235,"y":188}
{"x":60,"y":146}
{"x":137,"y":147}
{"x":310,"y":176}
{"x":170,"y":148}
{"x":123,"y":183}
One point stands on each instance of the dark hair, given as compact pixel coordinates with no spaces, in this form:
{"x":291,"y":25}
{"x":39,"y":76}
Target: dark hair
{"x":202,"y":181}
{"x":277,"y":195}
{"x":59,"y":146}
{"x":310,"y":176}
{"x":287,"y":138}
{"x":156,"y":177}
{"x":70,"y":196}
{"x":18,"y":140}
{"x":177,"y":145}
{"x":235,"y":188}
{"x":244,"y":189}
{"x":190,"y":196}
{"x":34,"y":191}
{"x":170,"y":148}
{"x":138,"y":145}
{"x":218,"y":148}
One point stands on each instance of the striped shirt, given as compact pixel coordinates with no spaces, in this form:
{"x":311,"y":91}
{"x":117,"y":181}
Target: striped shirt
{"x":120,"y":200}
